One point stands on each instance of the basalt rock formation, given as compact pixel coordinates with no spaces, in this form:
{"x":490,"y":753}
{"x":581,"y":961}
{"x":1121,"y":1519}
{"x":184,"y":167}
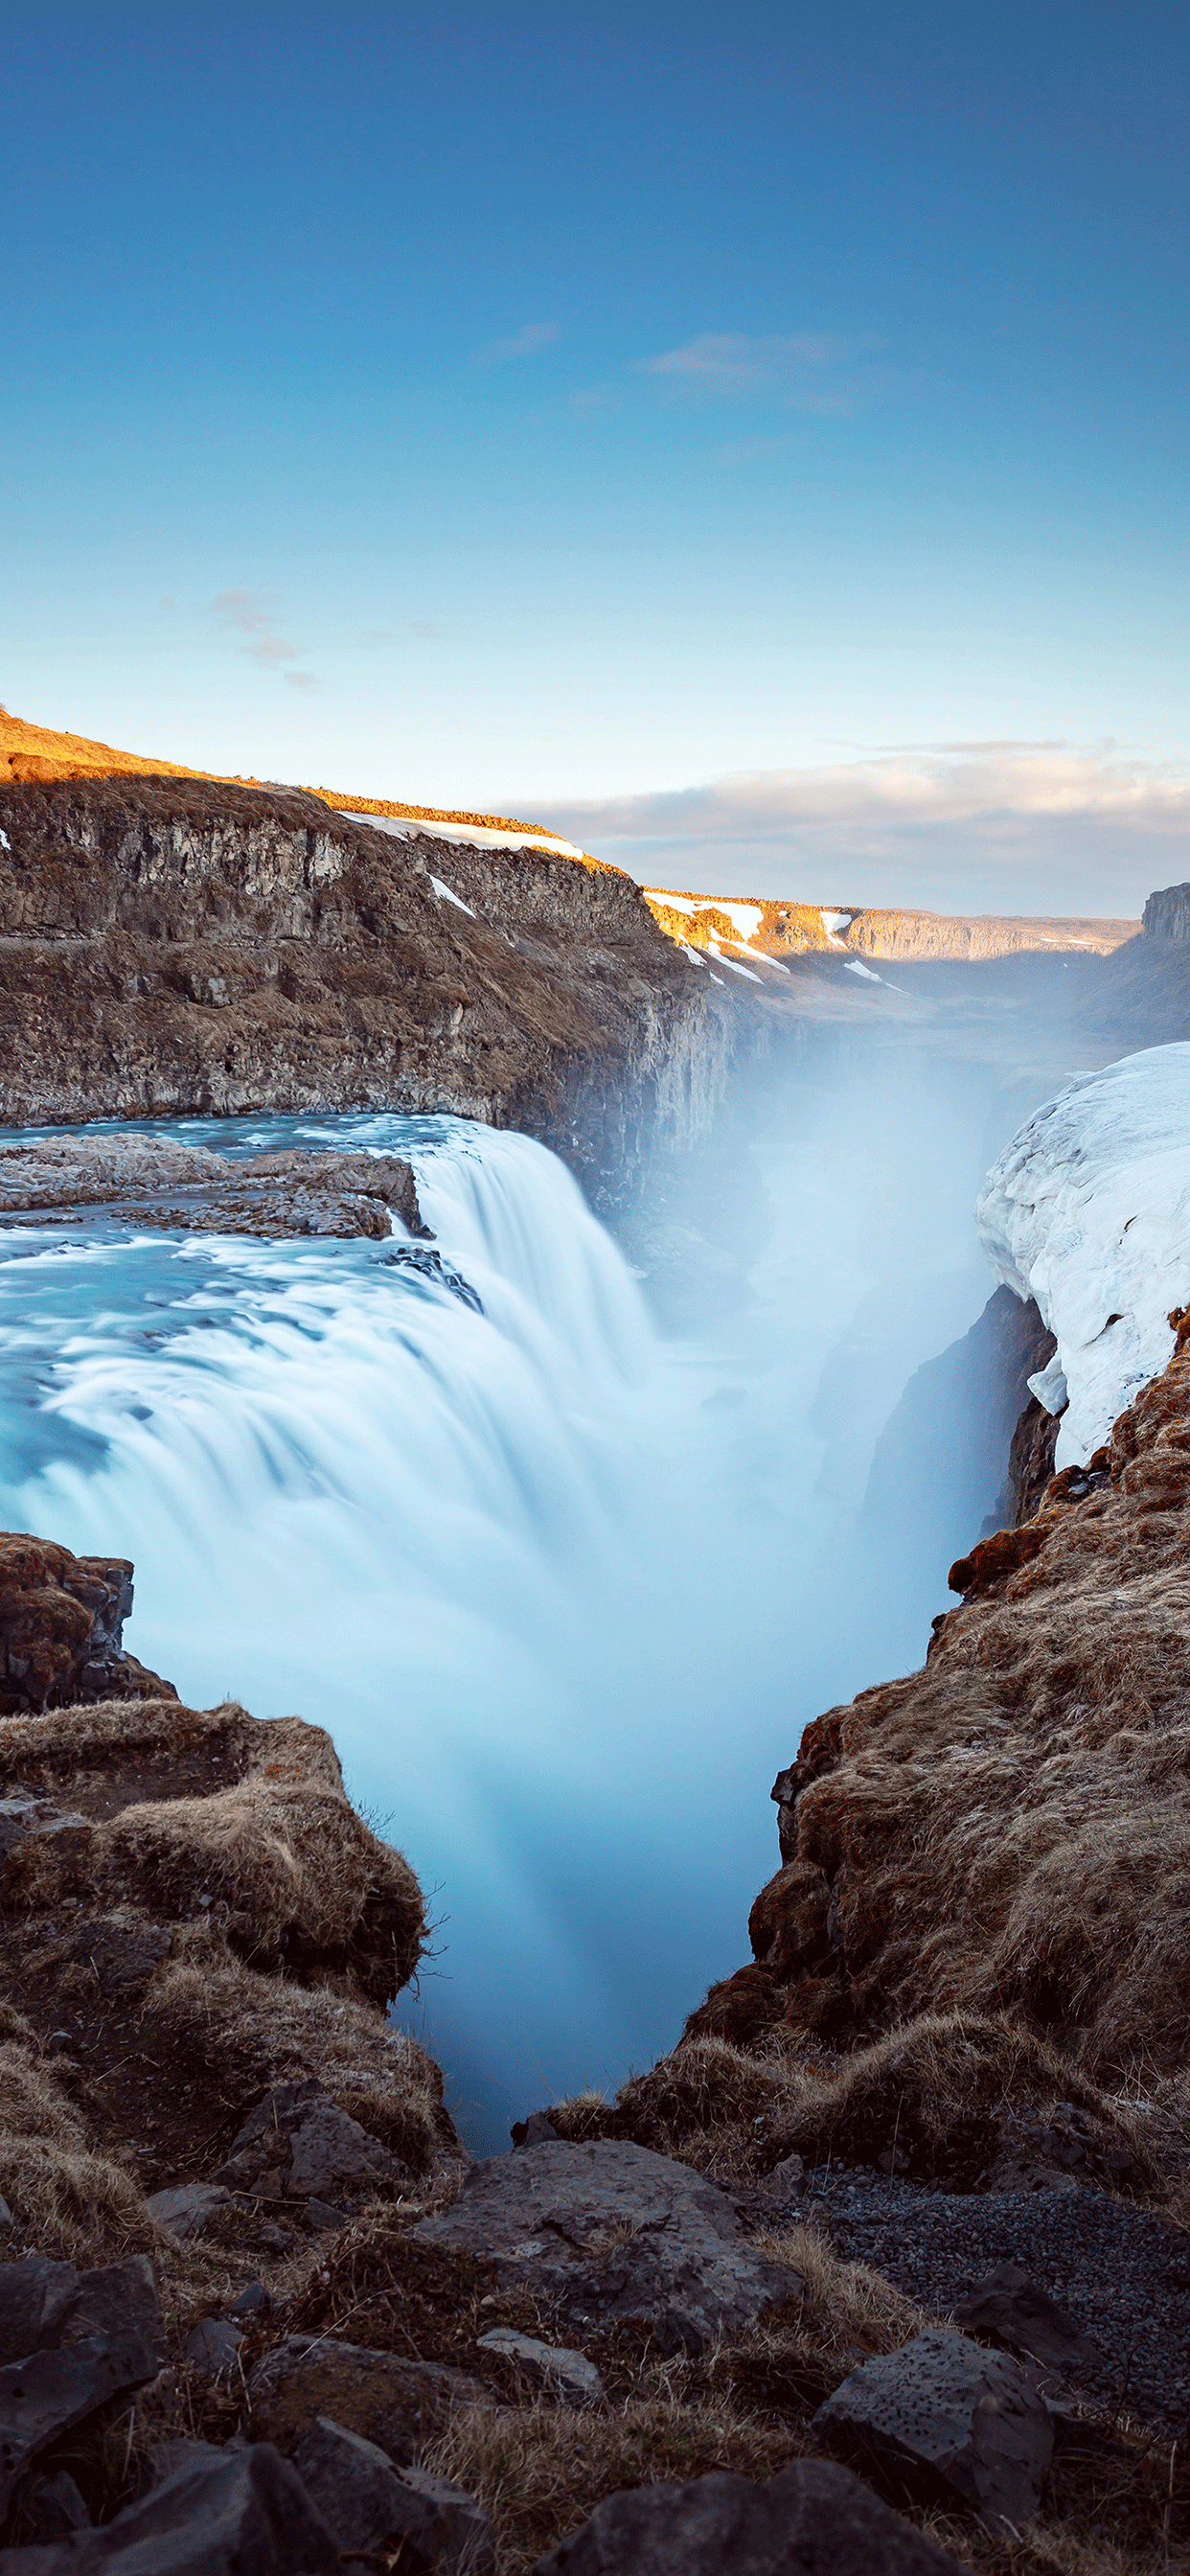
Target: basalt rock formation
{"x":174,"y":945}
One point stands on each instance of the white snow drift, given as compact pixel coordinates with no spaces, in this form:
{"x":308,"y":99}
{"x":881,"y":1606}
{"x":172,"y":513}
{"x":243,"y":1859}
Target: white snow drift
{"x":1088,"y":1211}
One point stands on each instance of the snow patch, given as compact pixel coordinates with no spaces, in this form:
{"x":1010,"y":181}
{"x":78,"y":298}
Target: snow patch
{"x":447,"y":894}
{"x":853,"y":967}
{"x":733,"y":965}
{"x":833,"y":922}
{"x":746,"y":918}
{"x":474,"y":836}
{"x":1088,"y":1211}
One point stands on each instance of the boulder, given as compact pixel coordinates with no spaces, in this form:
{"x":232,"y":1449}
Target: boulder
{"x":212,"y":2347}
{"x":942,"y":2417}
{"x":48,"y":2392}
{"x":1008,"y":2308}
{"x":236,"y":2512}
{"x":367,"y":2502}
{"x":50,"y":2508}
{"x":36,"y":2298}
{"x":610,"y":2231}
{"x":398,"y":2404}
{"x":117,"y":2299}
{"x":186,"y":2209}
{"x":564,"y":2373}
{"x":298,"y":2145}
{"x":812,"y":2520}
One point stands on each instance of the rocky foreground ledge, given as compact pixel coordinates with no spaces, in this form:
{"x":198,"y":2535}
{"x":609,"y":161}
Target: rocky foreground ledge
{"x":259,"y":2313}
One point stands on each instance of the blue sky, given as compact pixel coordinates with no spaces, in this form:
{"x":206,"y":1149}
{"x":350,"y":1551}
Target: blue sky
{"x":752,"y":438}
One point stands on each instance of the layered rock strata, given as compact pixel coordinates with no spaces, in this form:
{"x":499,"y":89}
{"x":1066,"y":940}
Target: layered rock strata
{"x":174,"y":945}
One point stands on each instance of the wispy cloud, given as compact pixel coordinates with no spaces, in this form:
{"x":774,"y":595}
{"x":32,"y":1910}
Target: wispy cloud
{"x":524,"y":343}
{"x":990,"y":826}
{"x":249,"y":614}
{"x":727,"y":362}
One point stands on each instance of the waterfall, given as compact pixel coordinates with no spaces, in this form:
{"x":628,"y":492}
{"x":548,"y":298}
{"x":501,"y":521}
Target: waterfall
{"x":554,"y":1584}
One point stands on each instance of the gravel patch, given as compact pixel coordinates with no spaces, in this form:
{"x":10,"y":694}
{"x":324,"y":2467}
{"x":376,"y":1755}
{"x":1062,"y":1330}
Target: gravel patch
{"x":1123,"y":2273}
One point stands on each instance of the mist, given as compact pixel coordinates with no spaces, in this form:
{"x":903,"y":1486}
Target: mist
{"x":564,"y":1573}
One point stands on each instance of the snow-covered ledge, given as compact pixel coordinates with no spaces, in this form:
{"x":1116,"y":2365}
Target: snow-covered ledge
{"x":1088,"y":1211}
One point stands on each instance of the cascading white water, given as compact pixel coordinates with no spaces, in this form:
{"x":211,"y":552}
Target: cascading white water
{"x":562,"y":1591}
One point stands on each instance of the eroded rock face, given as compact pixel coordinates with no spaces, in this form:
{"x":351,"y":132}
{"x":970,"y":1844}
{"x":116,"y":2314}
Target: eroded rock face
{"x":613,"y":2232}
{"x":61,"y":1629}
{"x":176,"y":945}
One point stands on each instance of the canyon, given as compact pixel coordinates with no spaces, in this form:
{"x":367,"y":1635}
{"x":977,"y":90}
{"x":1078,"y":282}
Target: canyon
{"x":940,"y":2116}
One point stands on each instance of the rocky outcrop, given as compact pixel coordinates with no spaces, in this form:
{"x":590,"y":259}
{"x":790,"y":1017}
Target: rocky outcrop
{"x":1167,"y":914}
{"x":176,"y":945}
{"x":191,"y":1890}
{"x":1009,"y":1829}
{"x":61,"y":1630}
{"x":150,"y":1181}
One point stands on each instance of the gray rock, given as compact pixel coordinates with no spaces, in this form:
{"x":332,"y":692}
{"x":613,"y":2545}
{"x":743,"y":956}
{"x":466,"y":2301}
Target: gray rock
{"x":785,"y":2181}
{"x":332,"y":2154}
{"x":366,"y":2502}
{"x":1009,"y":2309}
{"x":568,"y":2374}
{"x":48,"y":2392}
{"x":944,"y":2415}
{"x":212,"y":2347}
{"x":50,"y":2508}
{"x":36,"y":2298}
{"x":43,"y":2304}
{"x":448,"y":2526}
{"x":321,"y":2218}
{"x":253,"y":2301}
{"x":398,"y":2404}
{"x":611,"y":2231}
{"x":299,"y":2145}
{"x":119,"y":2298}
{"x":812,"y":2520}
{"x":537,"y":2131}
{"x":235,"y":2512}
{"x":186,"y":2208}
{"x":32,"y":1815}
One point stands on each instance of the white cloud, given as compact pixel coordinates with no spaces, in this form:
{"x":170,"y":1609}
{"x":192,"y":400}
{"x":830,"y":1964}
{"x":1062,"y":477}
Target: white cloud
{"x":525,"y":343}
{"x":995,"y":826}
{"x":249,"y":614}
{"x":727,"y":362}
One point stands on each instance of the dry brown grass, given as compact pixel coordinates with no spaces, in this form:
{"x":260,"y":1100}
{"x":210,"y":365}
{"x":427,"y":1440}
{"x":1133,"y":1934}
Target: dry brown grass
{"x":279,"y":1858}
{"x":273,"y":2031}
{"x":934,"y":2090}
{"x":66,"y":2200}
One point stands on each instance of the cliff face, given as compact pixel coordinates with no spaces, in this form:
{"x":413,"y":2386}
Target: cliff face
{"x":1008,"y":1830}
{"x":1167,"y":914}
{"x":776,"y":929}
{"x":179,"y":946}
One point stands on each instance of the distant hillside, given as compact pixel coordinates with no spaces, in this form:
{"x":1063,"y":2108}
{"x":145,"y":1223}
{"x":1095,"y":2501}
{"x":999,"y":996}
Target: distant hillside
{"x":792,"y":929}
{"x":32,"y":752}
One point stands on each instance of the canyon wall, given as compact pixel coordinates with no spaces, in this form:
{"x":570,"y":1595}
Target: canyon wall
{"x":1167,"y":914}
{"x":178,"y":946}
